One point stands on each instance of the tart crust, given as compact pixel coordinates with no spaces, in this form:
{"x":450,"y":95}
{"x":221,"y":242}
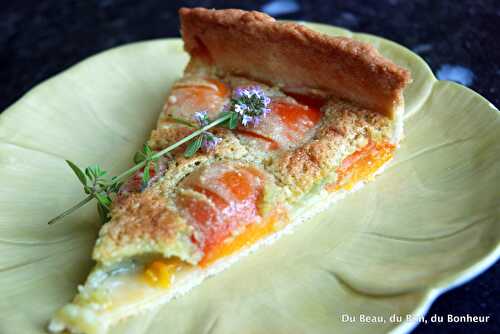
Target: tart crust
{"x":290,"y":55}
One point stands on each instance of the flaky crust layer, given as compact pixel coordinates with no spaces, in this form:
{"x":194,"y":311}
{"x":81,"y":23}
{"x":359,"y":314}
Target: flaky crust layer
{"x":292,"y":56}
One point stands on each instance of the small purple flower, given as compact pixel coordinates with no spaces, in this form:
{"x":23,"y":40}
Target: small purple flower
{"x":240,"y":108}
{"x":246,"y":120}
{"x":251,"y":104}
{"x":248,"y":105}
{"x":248,"y":92}
{"x":267,"y":100}
{"x":210,"y":141}
{"x":238,"y":92}
{"x":202,"y":118}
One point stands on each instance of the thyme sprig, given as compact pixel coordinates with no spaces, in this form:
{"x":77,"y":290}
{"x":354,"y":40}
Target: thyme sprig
{"x":247,"y":106}
{"x":96,"y":185}
{"x":101,"y":187}
{"x":147,"y":155}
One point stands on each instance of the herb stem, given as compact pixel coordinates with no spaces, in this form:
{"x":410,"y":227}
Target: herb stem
{"x":247,"y":106}
{"x":172,"y":147}
{"x":73,"y":208}
{"x":141,"y":164}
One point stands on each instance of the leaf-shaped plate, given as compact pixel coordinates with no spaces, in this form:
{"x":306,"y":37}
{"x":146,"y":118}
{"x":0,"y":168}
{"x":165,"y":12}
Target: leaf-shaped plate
{"x":428,"y":223}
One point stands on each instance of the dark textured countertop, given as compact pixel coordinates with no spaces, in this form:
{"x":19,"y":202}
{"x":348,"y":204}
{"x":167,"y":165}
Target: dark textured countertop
{"x":459,"y":40}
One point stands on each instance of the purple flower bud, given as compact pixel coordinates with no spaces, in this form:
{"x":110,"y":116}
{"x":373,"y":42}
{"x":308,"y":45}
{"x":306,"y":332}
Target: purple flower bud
{"x":246,"y":120}
{"x":238,"y":92}
{"x":210,"y":141}
{"x":201,"y":117}
{"x":251,"y":103}
{"x":239,"y":109}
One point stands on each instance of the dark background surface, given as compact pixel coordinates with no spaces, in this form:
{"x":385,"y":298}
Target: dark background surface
{"x":459,"y":39}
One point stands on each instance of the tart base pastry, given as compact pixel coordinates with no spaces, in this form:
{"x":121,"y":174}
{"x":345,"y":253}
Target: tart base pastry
{"x":335,"y":121}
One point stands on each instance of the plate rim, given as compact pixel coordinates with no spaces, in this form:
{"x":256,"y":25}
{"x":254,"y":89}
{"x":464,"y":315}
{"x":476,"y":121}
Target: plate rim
{"x":429,"y":293}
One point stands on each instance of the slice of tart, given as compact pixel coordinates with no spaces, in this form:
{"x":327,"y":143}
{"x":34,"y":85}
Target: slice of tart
{"x":335,"y":120}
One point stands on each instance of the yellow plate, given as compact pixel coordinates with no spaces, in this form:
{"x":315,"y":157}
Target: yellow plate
{"x":430,"y":222}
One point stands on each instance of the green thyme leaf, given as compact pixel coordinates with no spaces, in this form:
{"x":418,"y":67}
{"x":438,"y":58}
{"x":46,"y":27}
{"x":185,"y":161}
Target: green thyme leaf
{"x":115,"y":187}
{"x":89,"y":171}
{"x":103,"y":213}
{"x":139,"y":157}
{"x":193,"y":147}
{"x":233,"y":121}
{"x":147,"y":150}
{"x":95,"y":172}
{"x":226,"y":123}
{"x":104,"y":200}
{"x":145,"y":174}
{"x":99,"y":172}
{"x":145,"y":154}
{"x":97,"y":186}
{"x":79,"y":173}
